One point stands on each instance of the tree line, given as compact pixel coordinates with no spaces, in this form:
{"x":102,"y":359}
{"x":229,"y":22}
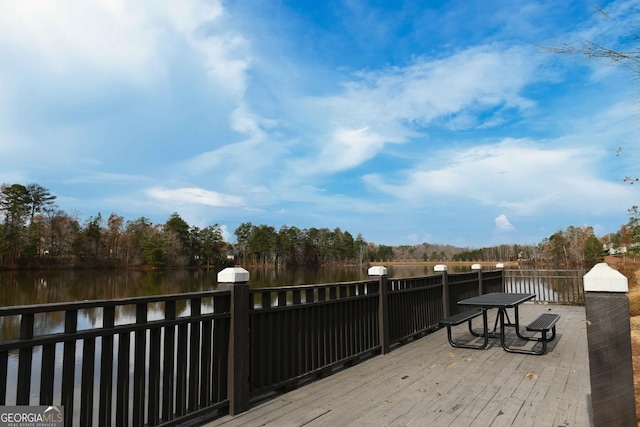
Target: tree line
{"x":35,"y":233}
{"x":294,"y":247}
{"x":574,"y":246}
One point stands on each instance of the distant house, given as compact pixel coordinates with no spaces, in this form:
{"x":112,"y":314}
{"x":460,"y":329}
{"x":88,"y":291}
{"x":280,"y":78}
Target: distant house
{"x":611,"y":250}
{"x":231,"y":255}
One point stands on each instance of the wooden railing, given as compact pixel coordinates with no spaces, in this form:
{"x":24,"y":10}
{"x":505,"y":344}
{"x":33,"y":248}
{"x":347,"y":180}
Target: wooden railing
{"x":175,"y":359}
{"x":553,"y":286}
{"x":159,"y":360}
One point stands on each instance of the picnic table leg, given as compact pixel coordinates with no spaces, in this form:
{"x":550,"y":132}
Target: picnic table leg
{"x":502,"y":332}
{"x":485,"y":335}
{"x":485,"y":326}
{"x":516,"y":325}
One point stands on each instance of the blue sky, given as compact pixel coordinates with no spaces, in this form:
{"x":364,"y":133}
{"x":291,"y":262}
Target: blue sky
{"x":408,"y":122}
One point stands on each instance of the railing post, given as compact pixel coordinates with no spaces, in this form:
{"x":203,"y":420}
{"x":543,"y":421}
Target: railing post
{"x":383,"y":307}
{"x":445,"y":289}
{"x":609,"y":342}
{"x":500,"y":266}
{"x":478,"y":268}
{"x":236,"y":280}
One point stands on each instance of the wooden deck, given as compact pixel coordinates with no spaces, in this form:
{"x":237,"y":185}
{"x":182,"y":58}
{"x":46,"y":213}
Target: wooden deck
{"x":427,"y":382}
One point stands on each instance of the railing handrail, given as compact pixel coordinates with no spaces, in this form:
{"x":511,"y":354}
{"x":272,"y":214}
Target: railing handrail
{"x":100,"y":303}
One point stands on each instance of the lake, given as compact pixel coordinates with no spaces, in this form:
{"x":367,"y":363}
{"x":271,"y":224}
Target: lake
{"x":41,"y":287}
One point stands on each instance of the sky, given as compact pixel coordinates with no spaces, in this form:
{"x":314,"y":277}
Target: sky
{"x":404,"y":121}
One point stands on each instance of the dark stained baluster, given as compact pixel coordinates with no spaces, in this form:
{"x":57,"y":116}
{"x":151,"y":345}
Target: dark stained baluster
{"x":106,"y":369}
{"x":221,"y":304}
{"x":277,"y":338}
{"x":295,"y":325}
{"x":323,"y":333}
{"x":298,"y":344}
{"x":181,"y":370}
{"x":265,"y":359}
{"x":4,"y":362}
{"x":168,"y":369}
{"x":139,"y":368}
{"x":47,"y":368}
{"x":87,"y":380}
{"x":322,"y":326}
{"x":257,"y":350}
{"x":69,"y":364}
{"x":315,"y":337}
{"x":266,"y":299}
{"x":309,"y":331}
{"x":153,"y":412}
{"x":206,"y":360}
{"x":24,"y":360}
{"x":194,"y":354}
{"x":122,"y":385}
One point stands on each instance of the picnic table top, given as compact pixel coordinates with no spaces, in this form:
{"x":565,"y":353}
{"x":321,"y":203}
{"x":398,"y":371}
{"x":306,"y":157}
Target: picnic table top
{"x":497,"y":299}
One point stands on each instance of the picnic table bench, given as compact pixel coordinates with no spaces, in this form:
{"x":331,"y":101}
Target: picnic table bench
{"x":544,"y":323}
{"x":467,"y":316}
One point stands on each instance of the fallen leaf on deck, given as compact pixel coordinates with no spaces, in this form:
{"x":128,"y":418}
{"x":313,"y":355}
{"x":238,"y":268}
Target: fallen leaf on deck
{"x":422,"y":390}
{"x":450,"y":365}
{"x":405,"y":377}
{"x":389,"y":401}
{"x":532,"y":376}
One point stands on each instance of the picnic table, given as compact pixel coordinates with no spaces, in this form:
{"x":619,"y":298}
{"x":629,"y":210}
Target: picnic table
{"x":502,"y":301}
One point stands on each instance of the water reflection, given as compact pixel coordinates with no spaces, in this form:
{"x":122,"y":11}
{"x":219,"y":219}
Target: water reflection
{"x":41,"y":287}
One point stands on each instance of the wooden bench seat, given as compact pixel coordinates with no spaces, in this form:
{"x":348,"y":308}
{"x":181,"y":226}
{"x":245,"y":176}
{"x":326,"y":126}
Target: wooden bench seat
{"x":467,"y":316}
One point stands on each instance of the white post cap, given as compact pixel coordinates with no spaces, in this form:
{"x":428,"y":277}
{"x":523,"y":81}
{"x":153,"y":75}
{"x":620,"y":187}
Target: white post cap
{"x":602,"y":278}
{"x":440,"y":267}
{"x":233,"y":275}
{"x":377,"y":270}
{"x":476,"y":267}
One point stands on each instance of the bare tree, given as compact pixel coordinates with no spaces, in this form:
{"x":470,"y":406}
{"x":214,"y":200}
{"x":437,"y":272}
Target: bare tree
{"x":591,"y":49}
{"x":629,"y":57}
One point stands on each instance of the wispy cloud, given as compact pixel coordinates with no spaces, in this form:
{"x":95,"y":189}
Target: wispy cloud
{"x":516,"y":174}
{"x":197,"y":196}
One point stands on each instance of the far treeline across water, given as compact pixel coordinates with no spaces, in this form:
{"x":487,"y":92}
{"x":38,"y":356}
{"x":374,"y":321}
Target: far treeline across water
{"x":36,"y":233}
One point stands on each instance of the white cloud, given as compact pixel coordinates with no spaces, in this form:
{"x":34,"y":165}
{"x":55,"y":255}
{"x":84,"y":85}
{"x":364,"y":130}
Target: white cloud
{"x":194,"y":195}
{"x":524,"y":177}
{"x":344,"y":149}
{"x":427,"y":89}
{"x":395,"y":104}
{"x":117,"y":37}
{"x":503,"y":224}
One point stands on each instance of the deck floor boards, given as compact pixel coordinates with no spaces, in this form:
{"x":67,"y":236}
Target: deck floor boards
{"x":428,"y":382}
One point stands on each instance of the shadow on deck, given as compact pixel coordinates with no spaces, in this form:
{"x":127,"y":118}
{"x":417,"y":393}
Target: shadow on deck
{"x":427,"y":382}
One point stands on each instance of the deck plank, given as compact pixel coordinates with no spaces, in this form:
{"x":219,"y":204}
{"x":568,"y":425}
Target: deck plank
{"x":428,"y":382}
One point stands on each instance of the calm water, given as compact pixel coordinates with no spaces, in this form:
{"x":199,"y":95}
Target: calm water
{"x":40,"y":287}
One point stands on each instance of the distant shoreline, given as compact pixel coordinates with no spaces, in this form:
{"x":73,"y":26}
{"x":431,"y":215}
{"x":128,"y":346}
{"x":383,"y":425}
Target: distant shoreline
{"x":447,"y":263}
